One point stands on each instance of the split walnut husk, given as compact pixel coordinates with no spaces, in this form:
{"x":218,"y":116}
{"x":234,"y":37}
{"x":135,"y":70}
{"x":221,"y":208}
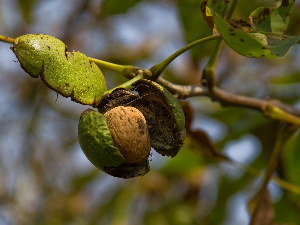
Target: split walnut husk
{"x":163,"y":113}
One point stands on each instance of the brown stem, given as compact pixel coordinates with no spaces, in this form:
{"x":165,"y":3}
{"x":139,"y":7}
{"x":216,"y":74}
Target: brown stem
{"x":230,"y":99}
{"x":226,"y":98}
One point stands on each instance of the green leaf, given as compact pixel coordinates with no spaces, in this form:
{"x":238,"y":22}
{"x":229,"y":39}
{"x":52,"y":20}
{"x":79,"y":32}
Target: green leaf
{"x":112,"y":7}
{"x":273,"y":19}
{"x":69,"y":74}
{"x":254,"y":45}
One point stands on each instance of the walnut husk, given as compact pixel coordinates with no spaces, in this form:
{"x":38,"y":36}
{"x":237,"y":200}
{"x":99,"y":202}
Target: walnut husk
{"x":163,"y":113}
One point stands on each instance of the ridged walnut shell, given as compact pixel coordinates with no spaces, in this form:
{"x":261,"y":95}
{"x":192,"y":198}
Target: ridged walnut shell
{"x":129,"y":131}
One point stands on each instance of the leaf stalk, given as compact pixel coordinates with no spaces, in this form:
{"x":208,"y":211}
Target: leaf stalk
{"x":160,"y":67}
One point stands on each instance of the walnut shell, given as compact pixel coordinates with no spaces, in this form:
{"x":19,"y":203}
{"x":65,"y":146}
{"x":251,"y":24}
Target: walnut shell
{"x":130,"y":134}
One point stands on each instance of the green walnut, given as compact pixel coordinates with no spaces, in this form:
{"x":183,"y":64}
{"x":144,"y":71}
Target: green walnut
{"x":69,"y":74}
{"x":116,"y":142}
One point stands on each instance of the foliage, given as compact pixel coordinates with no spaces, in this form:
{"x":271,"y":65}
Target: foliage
{"x":45,"y":177}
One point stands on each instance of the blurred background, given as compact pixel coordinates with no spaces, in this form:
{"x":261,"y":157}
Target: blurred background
{"x":46,"y":179}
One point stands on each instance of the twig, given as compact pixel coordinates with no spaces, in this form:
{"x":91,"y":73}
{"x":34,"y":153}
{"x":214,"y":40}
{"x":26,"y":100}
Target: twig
{"x":269,"y":107}
{"x":157,"y":69}
{"x":208,"y":75}
{"x":6,"y":39}
{"x":127,"y":71}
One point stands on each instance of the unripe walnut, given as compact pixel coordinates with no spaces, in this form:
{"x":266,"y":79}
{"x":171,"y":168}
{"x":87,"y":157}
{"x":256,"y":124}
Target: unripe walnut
{"x":120,"y":149}
{"x":130,"y":134}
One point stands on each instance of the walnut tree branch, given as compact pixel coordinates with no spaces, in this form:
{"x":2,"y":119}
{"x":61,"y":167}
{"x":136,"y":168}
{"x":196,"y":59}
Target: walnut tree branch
{"x":271,"y":108}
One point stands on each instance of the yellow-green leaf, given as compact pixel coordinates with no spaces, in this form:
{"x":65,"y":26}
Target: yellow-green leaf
{"x":69,"y":74}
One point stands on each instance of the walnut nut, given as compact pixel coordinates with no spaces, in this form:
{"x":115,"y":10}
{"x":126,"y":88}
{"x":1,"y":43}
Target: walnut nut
{"x":130,"y":134}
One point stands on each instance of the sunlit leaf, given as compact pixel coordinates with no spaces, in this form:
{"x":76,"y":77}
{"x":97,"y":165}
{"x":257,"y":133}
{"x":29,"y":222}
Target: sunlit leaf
{"x":273,"y":19}
{"x":69,"y":74}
